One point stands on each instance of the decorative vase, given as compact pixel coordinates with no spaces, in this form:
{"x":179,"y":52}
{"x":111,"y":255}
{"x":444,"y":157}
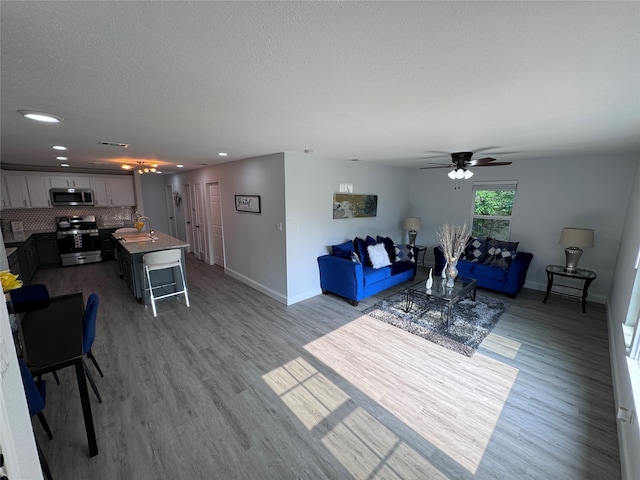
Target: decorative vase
{"x":452,"y":273}
{"x":430,"y":280}
{"x":444,"y":271}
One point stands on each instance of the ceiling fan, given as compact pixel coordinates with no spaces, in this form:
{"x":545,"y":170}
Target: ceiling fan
{"x":460,"y":163}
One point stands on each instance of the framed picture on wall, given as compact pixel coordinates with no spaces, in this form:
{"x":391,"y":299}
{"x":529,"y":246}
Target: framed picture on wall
{"x":248,"y":203}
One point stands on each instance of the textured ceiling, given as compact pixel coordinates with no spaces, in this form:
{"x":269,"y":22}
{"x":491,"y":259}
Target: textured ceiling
{"x":387,"y":82}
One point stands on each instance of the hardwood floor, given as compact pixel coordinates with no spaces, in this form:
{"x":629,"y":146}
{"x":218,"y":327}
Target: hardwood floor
{"x":239,"y":386}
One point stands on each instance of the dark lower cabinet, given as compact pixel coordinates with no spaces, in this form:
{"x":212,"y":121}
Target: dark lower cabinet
{"x":27,"y":258}
{"x":107,"y":243}
{"x":47,"y":247}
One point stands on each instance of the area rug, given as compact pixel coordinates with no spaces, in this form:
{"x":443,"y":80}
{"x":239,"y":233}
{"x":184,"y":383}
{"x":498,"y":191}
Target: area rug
{"x":470,"y":321}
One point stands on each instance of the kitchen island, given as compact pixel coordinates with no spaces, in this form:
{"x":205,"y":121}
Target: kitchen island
{"x":131,"y":247}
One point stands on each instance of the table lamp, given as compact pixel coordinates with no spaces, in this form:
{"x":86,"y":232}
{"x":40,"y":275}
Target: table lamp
{"x":575,"y":239}
{"x":412,"y":224}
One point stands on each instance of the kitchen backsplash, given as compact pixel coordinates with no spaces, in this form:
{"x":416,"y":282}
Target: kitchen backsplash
{"x":45,"y":218}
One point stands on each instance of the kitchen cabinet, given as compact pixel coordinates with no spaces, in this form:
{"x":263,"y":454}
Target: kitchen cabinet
{"x":38,"y":187}
{"x":31,"y":190}
{"x":27,"y":257}
{"x":25,"y":191}
{"x":100,"y":192}
{"x":4,"y":198}
{"x":70,"y":182}
{"x":16,"y":190}
{"x":121,"y":193}
{"x":47,"y":247}
{"x":14,"y":264}
{"x":107,"y":243}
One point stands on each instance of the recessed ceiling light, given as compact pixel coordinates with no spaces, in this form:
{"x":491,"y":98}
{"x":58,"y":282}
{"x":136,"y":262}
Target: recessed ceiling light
{"x":126,"y":167}
{"x":59,"y":147}
{"x":222,"y":154}
{"x":62,"y":158}
{"x":40,"y":116}
{"x":64,"y":164}
{"x":180,"y":166}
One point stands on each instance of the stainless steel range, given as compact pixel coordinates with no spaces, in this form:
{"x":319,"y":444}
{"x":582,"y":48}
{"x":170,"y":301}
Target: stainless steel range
{"x":78,"y":240}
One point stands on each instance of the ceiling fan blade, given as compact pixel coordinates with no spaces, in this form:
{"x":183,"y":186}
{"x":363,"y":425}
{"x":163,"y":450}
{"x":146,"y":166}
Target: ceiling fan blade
{"x":480,"y":161}
{"x":436,"y":166}
{"x":439,"y":163}
{"x":493,"y":164}
{"x":435,"y":156}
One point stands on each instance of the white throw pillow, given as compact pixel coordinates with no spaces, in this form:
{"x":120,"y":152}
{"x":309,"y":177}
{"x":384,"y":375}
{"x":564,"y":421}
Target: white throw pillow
{"x":378,"y":255}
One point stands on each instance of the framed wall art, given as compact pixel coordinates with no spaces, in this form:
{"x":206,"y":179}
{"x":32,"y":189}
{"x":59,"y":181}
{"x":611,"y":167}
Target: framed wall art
{"x":248,"y":203}
{"x":347,"y":205}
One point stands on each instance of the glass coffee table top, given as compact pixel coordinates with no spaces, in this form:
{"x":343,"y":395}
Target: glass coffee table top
{"x":442,"y":295}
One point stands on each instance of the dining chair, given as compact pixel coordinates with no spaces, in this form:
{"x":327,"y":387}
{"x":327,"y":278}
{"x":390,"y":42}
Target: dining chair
{"x":162,"y":260}
{"x":36,"y":393}
{"x":88,"y":336}
{"x":28,"y":298}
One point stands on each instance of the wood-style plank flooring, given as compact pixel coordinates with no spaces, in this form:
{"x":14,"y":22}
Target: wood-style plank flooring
{"x":239,"y":386}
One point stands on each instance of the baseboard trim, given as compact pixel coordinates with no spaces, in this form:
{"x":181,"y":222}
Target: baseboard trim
{"x":258,"y":286}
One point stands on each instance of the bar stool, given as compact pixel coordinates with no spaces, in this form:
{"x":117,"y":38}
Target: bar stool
{"x":162,"y":260}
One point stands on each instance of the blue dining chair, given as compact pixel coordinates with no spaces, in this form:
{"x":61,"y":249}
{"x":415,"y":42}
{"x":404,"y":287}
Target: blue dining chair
{"x":36,"y":393}
{"x":88,"y":336}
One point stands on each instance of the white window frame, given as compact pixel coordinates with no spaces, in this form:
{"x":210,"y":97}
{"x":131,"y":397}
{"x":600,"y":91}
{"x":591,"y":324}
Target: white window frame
{"x":501,"y":185}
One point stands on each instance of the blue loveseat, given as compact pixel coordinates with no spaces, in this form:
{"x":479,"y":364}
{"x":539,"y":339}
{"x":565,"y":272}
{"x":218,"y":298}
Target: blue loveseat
{"x":354,"y":277}
{"x":495,"y":268}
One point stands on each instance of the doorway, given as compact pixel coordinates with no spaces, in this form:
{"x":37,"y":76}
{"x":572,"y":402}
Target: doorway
{"x":186,"y":188}
{"x":171,"y":213}
{"x":197,"y":218}
{"x":216,"y":241}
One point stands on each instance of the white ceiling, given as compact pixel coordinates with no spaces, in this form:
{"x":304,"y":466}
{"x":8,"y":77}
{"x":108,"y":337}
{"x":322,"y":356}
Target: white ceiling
{"x":387,"y":82}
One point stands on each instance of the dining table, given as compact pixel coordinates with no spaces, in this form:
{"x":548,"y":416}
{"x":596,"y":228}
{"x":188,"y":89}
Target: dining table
{"x":52,"y":340}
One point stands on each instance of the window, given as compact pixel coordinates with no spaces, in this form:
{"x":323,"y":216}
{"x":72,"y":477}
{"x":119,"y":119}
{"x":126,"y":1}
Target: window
{"x":492,"y":209}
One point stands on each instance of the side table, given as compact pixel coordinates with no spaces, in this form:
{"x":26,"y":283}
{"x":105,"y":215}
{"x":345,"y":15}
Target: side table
{"x":421,"y":250}
{"x":582,"y":274}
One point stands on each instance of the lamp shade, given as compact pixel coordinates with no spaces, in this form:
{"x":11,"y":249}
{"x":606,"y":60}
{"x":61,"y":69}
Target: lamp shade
{"x":576,"y":237}
{"x":411,"y":223}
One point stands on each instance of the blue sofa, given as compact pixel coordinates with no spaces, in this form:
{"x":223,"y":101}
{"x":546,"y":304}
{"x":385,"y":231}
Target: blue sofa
{"x":355,"y":280}
{"x":507,"y":280}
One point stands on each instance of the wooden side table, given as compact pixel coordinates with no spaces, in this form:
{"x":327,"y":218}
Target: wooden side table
{"x":582,"y":274}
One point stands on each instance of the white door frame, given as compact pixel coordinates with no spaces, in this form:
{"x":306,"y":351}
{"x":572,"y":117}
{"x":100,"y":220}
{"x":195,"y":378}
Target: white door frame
{"x":210,"y":225}
{"x":171,"y":211}
{"x":186,"y":188}
{"x":198,"y":220}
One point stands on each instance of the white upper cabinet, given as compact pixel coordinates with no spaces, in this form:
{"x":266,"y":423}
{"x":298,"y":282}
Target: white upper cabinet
{"x":100,"y":192}
{"x":70,"y":182}
{"x":121,"y":193}
{"x":17,"y":195}
{"x":38,"y":187}
{"x":31,"y":190}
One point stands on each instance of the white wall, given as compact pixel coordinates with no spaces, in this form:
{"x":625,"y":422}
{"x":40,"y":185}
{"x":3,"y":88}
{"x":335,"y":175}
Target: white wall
{"x":154,"y":204}
{"x":579,"y":192}
{"x":310,"y":228}
{"x":255,"y":251}
{"x":16,"y":432}
{"x":618,"y":303}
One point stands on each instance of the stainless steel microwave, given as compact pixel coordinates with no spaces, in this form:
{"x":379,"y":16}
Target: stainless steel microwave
{"x":71,"y":196}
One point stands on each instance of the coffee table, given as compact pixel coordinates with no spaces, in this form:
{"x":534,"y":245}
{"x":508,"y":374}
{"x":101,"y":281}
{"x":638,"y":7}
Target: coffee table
{"x":441,"y":295}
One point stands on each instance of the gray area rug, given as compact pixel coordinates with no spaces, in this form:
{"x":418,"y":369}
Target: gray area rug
{"x":470,"y":322}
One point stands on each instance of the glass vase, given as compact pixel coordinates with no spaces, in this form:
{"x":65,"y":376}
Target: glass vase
{"x":452,"y":272}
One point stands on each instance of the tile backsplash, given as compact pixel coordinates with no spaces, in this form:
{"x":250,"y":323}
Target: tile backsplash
{"x":45,"y":218}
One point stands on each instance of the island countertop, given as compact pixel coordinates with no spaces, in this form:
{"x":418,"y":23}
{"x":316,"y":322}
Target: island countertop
{"x":136,"y":243}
